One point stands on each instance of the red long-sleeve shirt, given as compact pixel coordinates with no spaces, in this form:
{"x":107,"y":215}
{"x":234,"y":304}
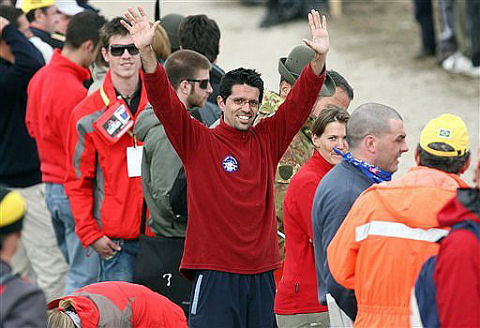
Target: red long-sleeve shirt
{"x":232,"y":225}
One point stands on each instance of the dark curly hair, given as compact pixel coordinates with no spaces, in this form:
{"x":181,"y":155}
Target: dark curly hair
{"x":240,"y":76}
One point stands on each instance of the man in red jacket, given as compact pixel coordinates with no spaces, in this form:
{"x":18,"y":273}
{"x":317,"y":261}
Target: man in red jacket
{"x":447,"y":290}
{"x":231,"y":246}
{"x":103,"y":159}
{"x":52,"y":94}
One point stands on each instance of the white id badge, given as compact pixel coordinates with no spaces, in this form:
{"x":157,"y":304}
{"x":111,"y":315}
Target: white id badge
{"x":134,"y":161}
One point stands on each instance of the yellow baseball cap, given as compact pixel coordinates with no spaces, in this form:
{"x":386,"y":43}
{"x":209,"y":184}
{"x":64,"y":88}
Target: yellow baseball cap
{"x":27,"y":5}
{"x":449,"y":129}
{"x":12,"y":210}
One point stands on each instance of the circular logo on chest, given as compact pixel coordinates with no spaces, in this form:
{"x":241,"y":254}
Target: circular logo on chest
{"x":230,"y":164}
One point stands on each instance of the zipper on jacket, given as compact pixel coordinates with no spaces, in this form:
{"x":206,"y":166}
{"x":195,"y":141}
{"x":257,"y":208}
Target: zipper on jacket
{"x":297,"y":285}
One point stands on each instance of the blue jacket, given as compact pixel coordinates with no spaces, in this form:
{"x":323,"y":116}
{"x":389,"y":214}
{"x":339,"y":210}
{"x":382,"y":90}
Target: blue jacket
{"x":334,"y":197}
{"x":19,"y":164}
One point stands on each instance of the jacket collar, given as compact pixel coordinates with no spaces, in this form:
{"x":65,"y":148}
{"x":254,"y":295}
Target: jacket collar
{"x":4,"y":267}
{"x":62,"y":62}
{"x":321,"y":163}
{"x":440,"y":175}
{"x":226,"y":129}
{"x":466,"y":206}
{"x":109,"y":95}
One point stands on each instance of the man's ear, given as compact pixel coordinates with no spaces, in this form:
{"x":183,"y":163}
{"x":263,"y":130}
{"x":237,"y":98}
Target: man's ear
{"x":105,"y":55}
{"x":370,"y":143}
{"x":466,"y":166}
{"x":221,"y":103}
{"x":185,"y":87}
{"x":285,"y":88}
{"x":417,"y":156}
{"x":88,"y":46}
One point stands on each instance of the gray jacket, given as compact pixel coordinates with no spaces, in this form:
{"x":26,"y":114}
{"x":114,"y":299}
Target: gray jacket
{"x":209,"y":113}
{"x":22,"y":304}
{"x":161,"y":167}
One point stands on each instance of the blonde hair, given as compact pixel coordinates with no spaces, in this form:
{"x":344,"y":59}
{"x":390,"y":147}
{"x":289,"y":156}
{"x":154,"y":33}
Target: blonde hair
{"x":58,"y":318}
{"x":161,"y":43}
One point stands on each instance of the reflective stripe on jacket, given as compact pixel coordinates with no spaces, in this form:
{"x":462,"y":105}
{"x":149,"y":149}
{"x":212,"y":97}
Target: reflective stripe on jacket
{"x":386,"y":237}
{"x":104,"y":200}
{"x":119,"y":304}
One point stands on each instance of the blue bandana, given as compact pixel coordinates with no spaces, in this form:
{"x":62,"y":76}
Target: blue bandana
{"x":374,"y":173}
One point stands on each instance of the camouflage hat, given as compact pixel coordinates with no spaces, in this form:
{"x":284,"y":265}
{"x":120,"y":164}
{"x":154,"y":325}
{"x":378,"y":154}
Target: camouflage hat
{"x":290,"y":68}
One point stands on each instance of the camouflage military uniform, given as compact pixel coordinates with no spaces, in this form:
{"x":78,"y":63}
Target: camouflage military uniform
{"x":297,"y":153}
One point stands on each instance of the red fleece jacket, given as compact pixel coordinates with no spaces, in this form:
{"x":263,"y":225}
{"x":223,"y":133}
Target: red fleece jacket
{"x":457,"y":270}
{"x":297,"y":291}
{"x":230,"y":174}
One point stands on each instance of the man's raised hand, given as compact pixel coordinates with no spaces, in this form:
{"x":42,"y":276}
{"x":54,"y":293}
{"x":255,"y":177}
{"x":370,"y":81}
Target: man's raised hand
{"x":139,"y":27}
{"x":320,"y":42}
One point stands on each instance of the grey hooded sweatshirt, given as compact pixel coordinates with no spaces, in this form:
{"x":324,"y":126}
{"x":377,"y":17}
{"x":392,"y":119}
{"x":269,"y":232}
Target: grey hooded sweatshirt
{"x":163,"y":178}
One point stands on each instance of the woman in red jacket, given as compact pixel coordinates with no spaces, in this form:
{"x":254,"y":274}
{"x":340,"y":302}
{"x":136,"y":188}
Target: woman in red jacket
{"x":296,"y":302}
{"x":115,"y":304}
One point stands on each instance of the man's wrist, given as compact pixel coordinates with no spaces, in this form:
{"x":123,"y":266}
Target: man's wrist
{"x":146,"y":49}
{"x":149,"y":59}
{"x":318,"y":64}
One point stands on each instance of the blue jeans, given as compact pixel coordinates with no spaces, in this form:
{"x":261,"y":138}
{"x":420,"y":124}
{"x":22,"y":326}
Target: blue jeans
{"x":83,"y":263}
{"x":120,"y":267}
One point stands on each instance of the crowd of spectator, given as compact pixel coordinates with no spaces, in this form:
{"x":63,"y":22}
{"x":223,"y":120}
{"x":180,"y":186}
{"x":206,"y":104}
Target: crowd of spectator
{"x":141,"y":185}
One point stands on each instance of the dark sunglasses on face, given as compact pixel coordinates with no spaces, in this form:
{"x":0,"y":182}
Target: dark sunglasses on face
{"x":117,"y":50}
{"x":203,"y":84}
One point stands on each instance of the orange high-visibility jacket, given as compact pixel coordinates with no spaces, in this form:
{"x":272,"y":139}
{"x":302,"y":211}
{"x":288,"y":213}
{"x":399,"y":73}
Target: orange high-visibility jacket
{"x":386,"y":237}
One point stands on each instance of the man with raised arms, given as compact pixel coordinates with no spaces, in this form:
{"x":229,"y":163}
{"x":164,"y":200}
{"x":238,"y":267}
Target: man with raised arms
{"x":231,"y":247}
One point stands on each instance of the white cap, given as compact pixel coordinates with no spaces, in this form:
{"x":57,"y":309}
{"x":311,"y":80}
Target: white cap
{"x":69,"y":7}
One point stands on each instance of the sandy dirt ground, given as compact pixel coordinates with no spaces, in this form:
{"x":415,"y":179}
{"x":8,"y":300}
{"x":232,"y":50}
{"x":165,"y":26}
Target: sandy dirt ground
{"x":372,"y":45}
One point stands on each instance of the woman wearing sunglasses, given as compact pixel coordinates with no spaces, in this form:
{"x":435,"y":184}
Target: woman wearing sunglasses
{"x":296,"y":302}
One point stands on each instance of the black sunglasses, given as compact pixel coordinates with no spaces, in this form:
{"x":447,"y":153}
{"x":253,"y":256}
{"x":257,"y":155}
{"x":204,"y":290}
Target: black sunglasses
{"x":203,"y":84}
{"x":118,"y":49}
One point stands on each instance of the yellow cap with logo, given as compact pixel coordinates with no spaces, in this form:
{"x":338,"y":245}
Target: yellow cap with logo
{"x":449,"y":129}
{"x":28,"y":5}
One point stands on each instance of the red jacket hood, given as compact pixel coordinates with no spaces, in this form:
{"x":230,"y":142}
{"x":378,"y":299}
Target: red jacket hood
{"x":466,"y":206}
{"x":85,"y":308}
{"x":421,"y":185}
